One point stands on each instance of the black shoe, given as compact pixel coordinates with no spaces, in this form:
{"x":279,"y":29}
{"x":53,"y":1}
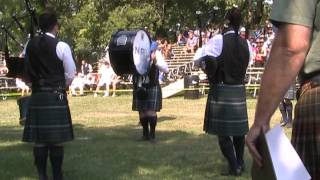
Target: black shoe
{"x":152,"y":135}
{"x":144,"y":138}
{"x":43,"y":177}
{"x":236,"y":172}
{"x":242,"y":168}
{"x":153,"y":140}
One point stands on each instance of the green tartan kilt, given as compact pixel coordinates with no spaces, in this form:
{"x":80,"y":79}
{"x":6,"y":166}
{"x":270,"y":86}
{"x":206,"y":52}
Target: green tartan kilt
{"x":153,"y":101}
{"x":226,"y":111}
{"x":48,"y":119}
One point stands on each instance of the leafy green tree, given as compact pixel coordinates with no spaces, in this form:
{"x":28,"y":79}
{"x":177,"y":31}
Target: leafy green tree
{"x":87,"y":25}
{"x":132,"y":18}
{"x":16,"y":36}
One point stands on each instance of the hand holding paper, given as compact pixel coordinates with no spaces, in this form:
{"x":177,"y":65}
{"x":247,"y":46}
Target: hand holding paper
{"x":280,"y":160}
{"x":251,"y":141}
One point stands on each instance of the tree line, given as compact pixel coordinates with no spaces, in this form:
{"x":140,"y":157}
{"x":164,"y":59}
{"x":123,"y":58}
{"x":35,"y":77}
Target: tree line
{"x":87,"y":25}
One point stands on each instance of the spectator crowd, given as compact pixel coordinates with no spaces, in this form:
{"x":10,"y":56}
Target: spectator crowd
{"x":259,"y":39}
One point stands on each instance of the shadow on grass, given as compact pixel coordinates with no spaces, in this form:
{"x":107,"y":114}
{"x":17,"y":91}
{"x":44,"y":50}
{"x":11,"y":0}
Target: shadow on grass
{"x":166,"y":118}
{"x":117,"y":153}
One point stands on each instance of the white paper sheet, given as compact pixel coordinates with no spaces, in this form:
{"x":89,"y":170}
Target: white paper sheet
{"x":286,"y":162}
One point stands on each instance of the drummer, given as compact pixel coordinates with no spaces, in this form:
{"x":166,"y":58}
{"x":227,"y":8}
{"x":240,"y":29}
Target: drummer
{"x":147,"y":100}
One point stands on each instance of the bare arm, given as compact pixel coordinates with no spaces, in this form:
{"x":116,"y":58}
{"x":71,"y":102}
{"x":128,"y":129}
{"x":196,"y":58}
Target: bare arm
{"x":286,"y":59}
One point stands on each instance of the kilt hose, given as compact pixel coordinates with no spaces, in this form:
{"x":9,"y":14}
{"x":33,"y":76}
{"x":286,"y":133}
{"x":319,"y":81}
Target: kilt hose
{"x":153,"y":100}
{"x":306,"y":130}
{"x":48,"y":119}
{"x":226,"y":111}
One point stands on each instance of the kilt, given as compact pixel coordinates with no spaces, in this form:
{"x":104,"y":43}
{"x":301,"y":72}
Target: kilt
{"x":153,"y":101}
{"x":48,"y":119}
{"x":226,"y":111}
{"x":306,"y":130}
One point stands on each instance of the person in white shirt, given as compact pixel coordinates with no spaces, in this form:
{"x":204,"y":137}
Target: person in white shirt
{"x":226,"y":59}
{"x":107,"y":75}
{"x":50,"y":68}
{"x":77,"y":83}
{"x":22,"y":85}
{"x":192,"y":43}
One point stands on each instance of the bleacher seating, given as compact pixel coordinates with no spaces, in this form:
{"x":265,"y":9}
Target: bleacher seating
{"x":7,"y":85}
{"x":1,"y":58}
{"x":180,"y":64}
{"x":253,"y":79}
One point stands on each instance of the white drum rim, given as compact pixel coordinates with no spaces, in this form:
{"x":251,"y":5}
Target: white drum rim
{"x":141,"y":53}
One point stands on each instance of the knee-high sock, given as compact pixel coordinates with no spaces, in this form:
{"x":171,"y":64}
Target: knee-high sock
{"x":56,"y":158}
{"x":144,"y":124}
{"x":40,"y":160}
{"x":282,"y":108}
{"x":238,"y":142}
{"x":226,"y":147}
{"x":153,"y":124}
{"x":289,"y":108}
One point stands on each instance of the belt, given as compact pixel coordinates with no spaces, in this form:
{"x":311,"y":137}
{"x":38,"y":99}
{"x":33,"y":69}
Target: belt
{"x":49,"y":89}
{"x":309,"y":84}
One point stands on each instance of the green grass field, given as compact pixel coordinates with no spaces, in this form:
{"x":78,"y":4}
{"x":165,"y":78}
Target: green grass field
{"x":107,"y":142}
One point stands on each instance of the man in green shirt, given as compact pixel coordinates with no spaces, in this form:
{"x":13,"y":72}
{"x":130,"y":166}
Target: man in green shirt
{"x":296,"y":49}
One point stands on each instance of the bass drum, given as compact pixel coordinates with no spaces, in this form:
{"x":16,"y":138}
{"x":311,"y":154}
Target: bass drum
{"x":129,"y":52}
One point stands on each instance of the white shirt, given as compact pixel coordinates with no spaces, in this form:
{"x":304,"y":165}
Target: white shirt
{"x":20,"y":84}
{"x":161,"y":64}
{"x":214,"y":47}
{"x":63,"y":51}
{"x":107,"y":73}
{"x":77,"y":82}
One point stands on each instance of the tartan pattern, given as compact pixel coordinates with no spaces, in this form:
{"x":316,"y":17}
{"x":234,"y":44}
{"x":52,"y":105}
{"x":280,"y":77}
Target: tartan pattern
{"x":306,"y":130}
{"x":226,"y":111}
{"x":48,"y":119}
{"x":152,"y":102}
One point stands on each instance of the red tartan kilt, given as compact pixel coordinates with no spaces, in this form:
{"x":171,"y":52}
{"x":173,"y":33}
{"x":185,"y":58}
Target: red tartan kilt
{"x":306,"y":130}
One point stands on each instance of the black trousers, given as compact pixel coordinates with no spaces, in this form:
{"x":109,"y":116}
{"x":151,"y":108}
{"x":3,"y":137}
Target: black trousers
{"x":285,"y":108}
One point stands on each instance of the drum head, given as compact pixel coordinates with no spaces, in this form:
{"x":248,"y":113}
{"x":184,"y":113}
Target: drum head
{"x":141,"y":52}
